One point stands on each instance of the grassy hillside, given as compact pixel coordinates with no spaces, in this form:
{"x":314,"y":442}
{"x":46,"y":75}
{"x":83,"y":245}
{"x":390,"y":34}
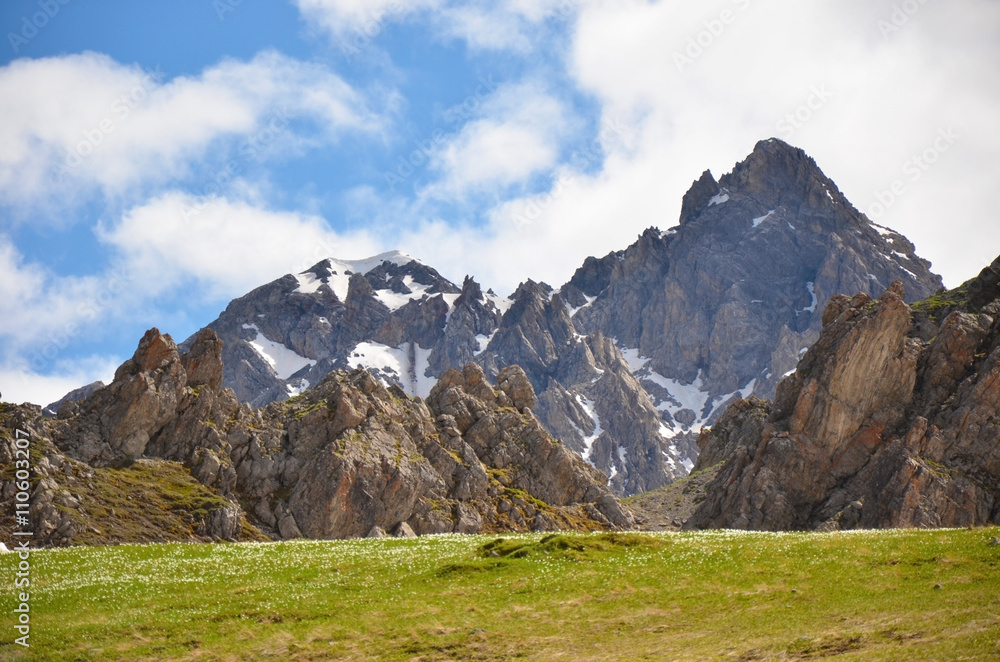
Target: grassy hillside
{"x":890,"y":595}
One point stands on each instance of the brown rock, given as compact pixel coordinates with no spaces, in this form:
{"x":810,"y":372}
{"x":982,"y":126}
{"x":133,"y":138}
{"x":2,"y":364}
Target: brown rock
{"x":876,"y":428}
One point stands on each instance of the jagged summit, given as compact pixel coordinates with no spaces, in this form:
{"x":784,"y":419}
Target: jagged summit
{"x":631,"y":357}
{"x":775,"y":175}
{"x":336,"y":274}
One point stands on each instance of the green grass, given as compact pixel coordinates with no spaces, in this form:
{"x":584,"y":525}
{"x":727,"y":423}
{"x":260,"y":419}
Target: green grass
{"x":150,"y":500}
{"x":890,"y":595}
{"x":937,"y":304}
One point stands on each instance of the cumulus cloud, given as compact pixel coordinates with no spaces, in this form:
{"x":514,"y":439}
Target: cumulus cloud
{"x":176,"y":246}
{"x":225,"y":247}
{"x":38,"y":306}
{"x":880,"y":99}
{"x":516,"y":134}
{"x":22,"y":384}
{"x":42,"y":315}
{"x":86,"y":122}
{"x":701,"y":84}
{"x":509,"y":25}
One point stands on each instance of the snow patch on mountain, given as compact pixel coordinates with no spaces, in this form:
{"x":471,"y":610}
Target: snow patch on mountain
{"x":308,"y":283}
{"x":691,"y":396}
{"x":396,"y":300}
{"x":502,"y":304}
{"x":570,"y":310}
{"x":811,"y":308}
{"x":760,"y":219}
{"x":720,"y":198}
{"x":342,"y":270}
{"x":406,"y":365}
{"x":283,"y":361}
{"x":588,"y":441}
{"x":484,"y":342}
{"x":632,"y":358}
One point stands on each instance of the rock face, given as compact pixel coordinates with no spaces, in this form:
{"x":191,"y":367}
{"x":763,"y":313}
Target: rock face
{"x":52,"y":410}
{"x":348,"y":458}
{"x":892,"y":419}
{"x":631,"y":357}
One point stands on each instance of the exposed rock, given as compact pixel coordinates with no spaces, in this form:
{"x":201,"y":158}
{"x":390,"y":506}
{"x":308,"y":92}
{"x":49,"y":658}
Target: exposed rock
{"x":67,"y":404}
{"x":877,"y":427}
{"x":717,"y":308}
{"x":349,"y":458}
{"x":404,"y":531}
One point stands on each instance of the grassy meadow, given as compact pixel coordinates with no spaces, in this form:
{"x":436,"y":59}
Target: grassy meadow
{"x":876,"y":595}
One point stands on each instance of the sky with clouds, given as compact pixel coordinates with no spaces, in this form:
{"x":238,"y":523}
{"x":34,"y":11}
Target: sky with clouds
{"x":159,"y":159}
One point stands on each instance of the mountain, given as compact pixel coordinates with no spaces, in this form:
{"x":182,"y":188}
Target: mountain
{"x":724,"y":304}
{"x":630,"y":358}
{"x":892,"y":419}
{"x":390,"y":313}
{"x":165,"y":453}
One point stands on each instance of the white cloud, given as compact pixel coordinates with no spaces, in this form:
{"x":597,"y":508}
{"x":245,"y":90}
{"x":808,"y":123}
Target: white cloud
{"x":368,"y":17}
{"x":485,"y":26}
{"x":884,"y":100}
{"x":37,"y":306}
{"x":43,"y":316}
{"x":84,"y":122}
{"x":226,"y":247}
{"x":876,"y":102}
{"x":21,"y":384}
{"x":516,"y":135}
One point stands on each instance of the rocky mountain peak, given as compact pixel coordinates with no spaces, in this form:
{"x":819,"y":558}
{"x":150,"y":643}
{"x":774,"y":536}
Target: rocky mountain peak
{"x":471,"y":291}
{"x":985,"y":288}
{"x":677,"y":324}
{"x":777,"y":174}
{"x":203,"y":361}
{"x":704,"y":189}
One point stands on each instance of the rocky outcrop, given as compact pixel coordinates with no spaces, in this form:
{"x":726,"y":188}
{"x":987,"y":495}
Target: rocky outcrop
{"x":631,"y":357}
{"x":890,"y":420}
{"x":348,"y":458}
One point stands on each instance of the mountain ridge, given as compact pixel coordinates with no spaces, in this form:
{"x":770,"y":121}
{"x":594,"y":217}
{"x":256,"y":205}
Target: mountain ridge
{"x":718,"y":307}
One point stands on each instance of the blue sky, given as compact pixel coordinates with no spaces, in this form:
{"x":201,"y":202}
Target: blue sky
{"x":159,"y":159}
